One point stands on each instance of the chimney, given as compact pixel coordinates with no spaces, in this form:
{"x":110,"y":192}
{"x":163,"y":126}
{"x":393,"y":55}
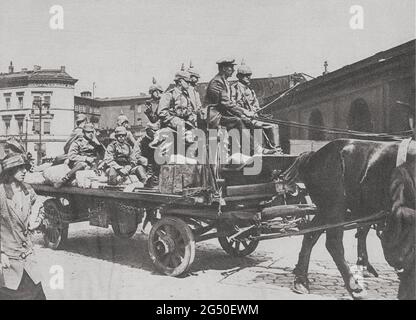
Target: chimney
{"x":36,"y":68}
{"x":86,"y":94}
{"x":62,"y":69}
{"x":11,"y":68}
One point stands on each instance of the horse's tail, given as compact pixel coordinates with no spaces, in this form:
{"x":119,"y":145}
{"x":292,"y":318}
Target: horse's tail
{"x":292,"y":173}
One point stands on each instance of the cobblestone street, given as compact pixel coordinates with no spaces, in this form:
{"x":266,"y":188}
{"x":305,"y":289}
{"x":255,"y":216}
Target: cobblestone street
{"x":126,"y":271}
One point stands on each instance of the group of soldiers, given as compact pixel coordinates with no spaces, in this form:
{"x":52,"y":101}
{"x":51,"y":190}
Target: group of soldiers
{"x":176,"y":109}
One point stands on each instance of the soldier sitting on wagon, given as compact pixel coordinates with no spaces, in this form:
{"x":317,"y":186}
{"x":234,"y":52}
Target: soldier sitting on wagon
{"x":175,"y":109}
{"x":123,"y":121}
{"x":142,"y":150}
{"x":120,"y":159}
{"x":245,"y":98}
{"x":152,"y":105}
{"x":83,"y":154}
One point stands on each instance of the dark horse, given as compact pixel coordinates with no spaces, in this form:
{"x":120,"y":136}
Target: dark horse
{"x":346,"y":179}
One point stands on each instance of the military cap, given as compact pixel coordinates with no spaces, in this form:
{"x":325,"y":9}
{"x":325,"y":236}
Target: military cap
{"x":80,"y":118}
{"x":89,"y":127}
{"x":121,"y":119}
{"x":182,"y":75}
{"x":226,"y":61}
{"x":15,"y":160}
{"x":120,"y":130}
{"x":155,"y":86}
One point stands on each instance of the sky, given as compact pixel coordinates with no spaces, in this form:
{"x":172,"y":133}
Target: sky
{"x":121,"y":44}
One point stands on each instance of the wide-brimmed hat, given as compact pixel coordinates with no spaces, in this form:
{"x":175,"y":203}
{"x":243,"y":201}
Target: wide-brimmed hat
{"x":14,"y":145}
{"x":13,"y":161}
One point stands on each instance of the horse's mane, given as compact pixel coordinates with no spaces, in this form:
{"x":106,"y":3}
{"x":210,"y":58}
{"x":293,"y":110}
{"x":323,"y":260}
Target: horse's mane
{"x":292,"y":173}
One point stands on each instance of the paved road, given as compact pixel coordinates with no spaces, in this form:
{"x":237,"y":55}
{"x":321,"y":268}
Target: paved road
{"x":98,"y":265}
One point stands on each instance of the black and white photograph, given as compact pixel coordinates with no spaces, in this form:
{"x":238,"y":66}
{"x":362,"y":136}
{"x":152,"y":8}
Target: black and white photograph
{"x":193,"y":150}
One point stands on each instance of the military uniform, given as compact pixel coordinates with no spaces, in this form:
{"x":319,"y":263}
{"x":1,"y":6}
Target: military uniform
{"x":145,"y":155}
{"x":119,"y":156}
{"x":75,"y":134}
{"x":152,"y":110}
{"x":245,"y":98}
{"x":224,"y":112}
{"x":174,"y":108}
{"x":130,"y":138}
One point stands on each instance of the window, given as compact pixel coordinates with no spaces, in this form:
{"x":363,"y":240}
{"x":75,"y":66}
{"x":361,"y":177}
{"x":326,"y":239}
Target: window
{"x":36,"y":126}
{"x":47,"y":100}
{"x":7,"y":102}
{"x":359,"y":117}
{"x":20,"y":102}
{"x":315,"y":119}
{"x":47,"y":127}
{"x":36,"y":101}
{"x":20,"y":124}
{"x":76,"y":108}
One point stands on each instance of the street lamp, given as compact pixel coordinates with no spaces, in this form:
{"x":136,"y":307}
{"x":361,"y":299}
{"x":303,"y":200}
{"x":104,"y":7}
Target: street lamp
{"x":38,"y":107}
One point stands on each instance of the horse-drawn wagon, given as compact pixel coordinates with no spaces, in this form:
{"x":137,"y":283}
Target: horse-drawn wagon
{"x":192,"y":204}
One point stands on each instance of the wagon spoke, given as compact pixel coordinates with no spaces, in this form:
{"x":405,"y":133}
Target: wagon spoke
{"x":166,"y":259}
{"x":245,"y":243}
{"x":237,"y":245}
{"x":176,"y":259}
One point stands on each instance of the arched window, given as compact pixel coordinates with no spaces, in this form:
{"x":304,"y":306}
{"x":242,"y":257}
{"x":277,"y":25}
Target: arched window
{"x":359,"y":117}
{"x":315,"y":119}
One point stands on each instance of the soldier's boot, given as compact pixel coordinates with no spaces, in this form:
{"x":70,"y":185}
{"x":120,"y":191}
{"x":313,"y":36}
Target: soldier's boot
{"x":112,"y":177}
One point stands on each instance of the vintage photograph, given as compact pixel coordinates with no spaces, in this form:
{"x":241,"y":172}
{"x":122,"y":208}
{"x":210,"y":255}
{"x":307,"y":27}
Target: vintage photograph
{"x":207,"y":150}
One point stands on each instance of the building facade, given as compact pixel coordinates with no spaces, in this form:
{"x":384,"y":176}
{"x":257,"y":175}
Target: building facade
{"x":23,"y":94}
{"x":362,"y":96}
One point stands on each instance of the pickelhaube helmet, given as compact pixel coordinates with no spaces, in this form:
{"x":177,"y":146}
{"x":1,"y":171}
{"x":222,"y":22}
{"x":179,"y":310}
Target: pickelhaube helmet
{"x":192,"y":71}
{"x":120,"y":130}
{"x":155,"y":86}
{"x":122,"y":119}
{"x":182,"y":75}
{"x":243,"y":69}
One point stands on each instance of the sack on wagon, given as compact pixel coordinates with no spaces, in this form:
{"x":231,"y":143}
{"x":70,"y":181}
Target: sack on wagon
{"x":55,"y":174}
{"x":35,"y":178}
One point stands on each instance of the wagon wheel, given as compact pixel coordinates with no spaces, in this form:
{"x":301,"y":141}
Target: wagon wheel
{"x":238,"y":247}
{"x":123,"y":221}
{"x":55,"y":231}
{"x":171,"y":246}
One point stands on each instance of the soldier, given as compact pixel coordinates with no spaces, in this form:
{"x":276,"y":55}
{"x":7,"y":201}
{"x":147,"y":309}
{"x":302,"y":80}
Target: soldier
{"x":224,"y":111}
{"x":152,"y":105}
{"x":193,"y":93}
{"x":175,"y":105}
{"x":123,"y":121}
{"x":80,"y":122}
{"x":82,"y":154}
{"x":245,"y":97}
{"x":119,"y":158}
{"x":143,"y":150}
